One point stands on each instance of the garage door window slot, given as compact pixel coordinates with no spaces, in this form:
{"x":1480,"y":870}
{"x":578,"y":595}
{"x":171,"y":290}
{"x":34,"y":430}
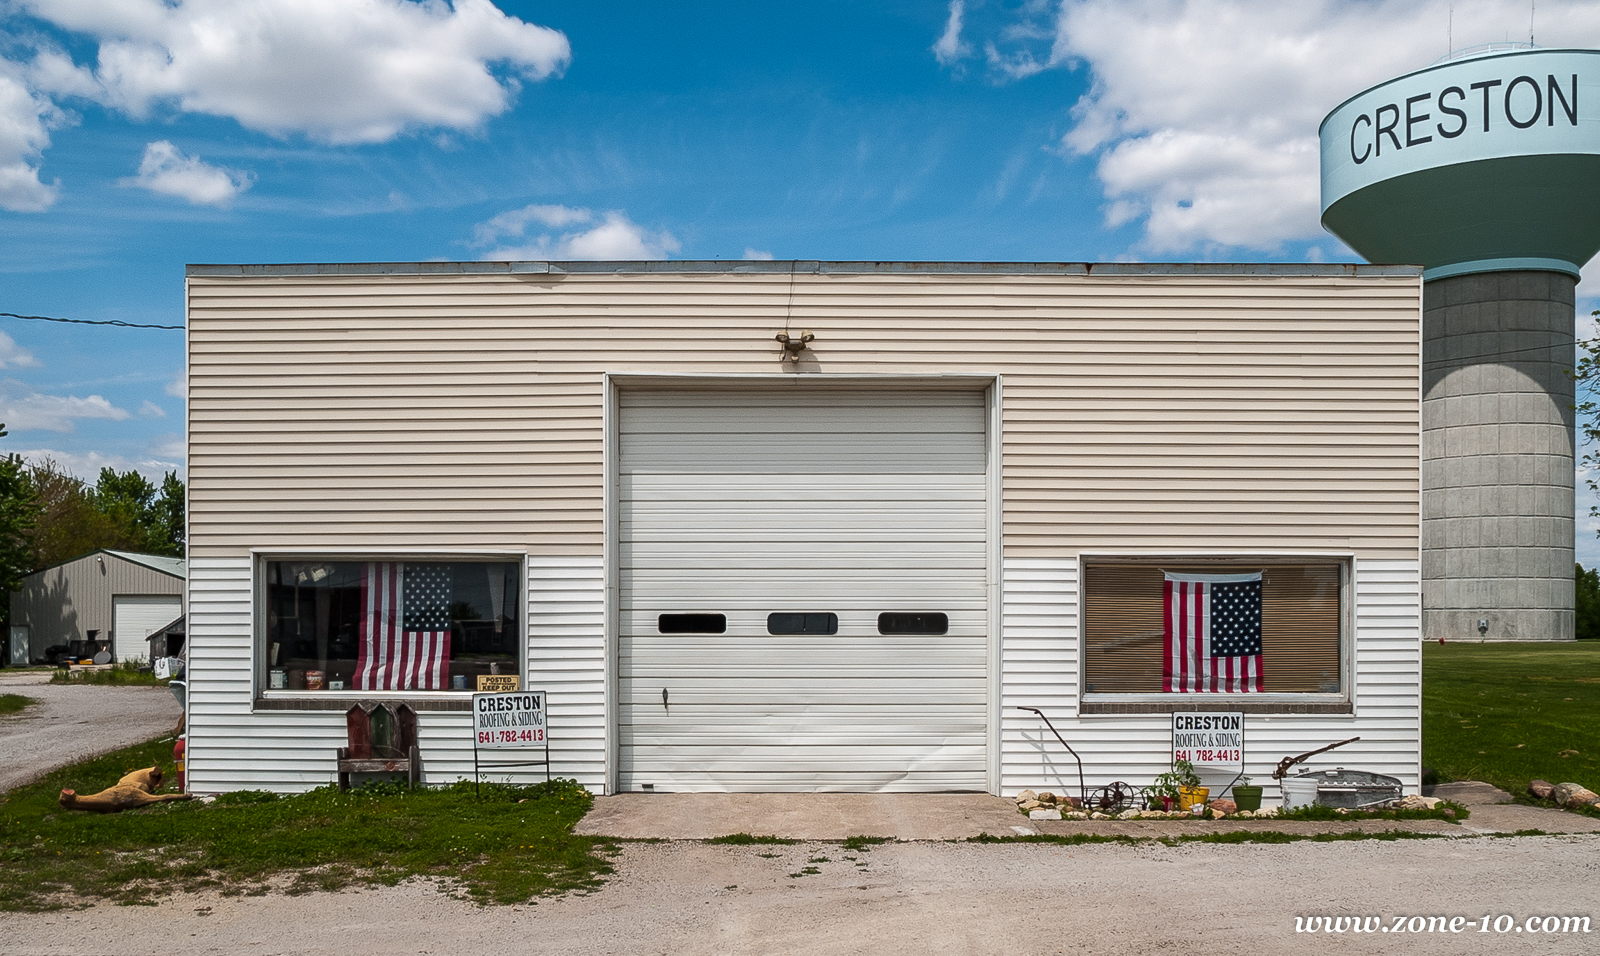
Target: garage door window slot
{"x":803,"y":623}
{"x":692,"y":623}
{"x":913,"y":622}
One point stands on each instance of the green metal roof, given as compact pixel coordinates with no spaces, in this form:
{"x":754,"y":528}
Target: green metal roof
{"x":177,"y":567}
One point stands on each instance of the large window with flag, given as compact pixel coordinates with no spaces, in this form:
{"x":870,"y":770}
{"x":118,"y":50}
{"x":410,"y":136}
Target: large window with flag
{"x":1194,"y":627}
{"x":389,"y":625}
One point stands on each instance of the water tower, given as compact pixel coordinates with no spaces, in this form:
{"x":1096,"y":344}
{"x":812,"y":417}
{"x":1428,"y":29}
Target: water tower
{"x":1485,"y":169}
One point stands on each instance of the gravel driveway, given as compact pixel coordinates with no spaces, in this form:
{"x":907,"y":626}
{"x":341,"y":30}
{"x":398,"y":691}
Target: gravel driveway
{"x":72,"y":723}
{"x":925,"y":898}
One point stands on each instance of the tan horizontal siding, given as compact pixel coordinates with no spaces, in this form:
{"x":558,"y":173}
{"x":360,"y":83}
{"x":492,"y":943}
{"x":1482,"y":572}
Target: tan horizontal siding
{"x":1211,"y":412}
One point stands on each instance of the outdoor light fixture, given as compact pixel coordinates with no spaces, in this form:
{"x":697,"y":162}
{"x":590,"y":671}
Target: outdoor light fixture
{"x":793,"y":347}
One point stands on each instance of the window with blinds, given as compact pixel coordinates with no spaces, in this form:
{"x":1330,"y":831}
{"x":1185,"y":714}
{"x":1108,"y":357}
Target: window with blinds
{"x":1124,"y":613}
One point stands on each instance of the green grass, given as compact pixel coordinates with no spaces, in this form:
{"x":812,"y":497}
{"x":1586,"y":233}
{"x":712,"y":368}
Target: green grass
{"x":1510,"y":713}
{"x":1238,"y":836}
{"x":14,"y":703}
{"x":746,"y":839}
{"x":125,"y":674}
{"x":514,"y":845}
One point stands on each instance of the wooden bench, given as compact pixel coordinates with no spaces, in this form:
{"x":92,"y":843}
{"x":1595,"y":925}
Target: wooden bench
{"x":382,"y":738}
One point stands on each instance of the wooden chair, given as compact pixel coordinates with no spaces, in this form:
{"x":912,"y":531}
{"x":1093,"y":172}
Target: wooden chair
{"x":382,"y":738}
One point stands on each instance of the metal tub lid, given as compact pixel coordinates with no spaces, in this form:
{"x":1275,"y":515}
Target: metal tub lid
{"x":1343,"y":780}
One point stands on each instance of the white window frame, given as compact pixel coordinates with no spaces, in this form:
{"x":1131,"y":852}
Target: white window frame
{"x":1259,"y":702}
{"x":258,"y":637}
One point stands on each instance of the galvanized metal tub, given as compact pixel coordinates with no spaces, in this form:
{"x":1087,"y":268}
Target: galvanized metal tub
{"x":1352,"y":789}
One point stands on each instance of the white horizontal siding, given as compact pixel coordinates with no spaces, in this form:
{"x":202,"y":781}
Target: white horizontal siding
{"x":319,"y":403}
{"x":1041,"y":670}
{"x":232,"y":746}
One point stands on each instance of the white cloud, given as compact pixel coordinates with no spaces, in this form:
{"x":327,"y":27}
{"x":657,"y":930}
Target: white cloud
{"x":1203,"y":114}
{"x":87,"y":465}
{"x":750,"y":253}
{"x":22,"y":410}
{"x":179,"y":386}
{"x":950,"y":49}
{"x":612,"y":236}
{"x":26,"y":119}
{"x":150,"y":409}
{"x":166,"y":170}
{"x":341,"y":71}
{"x":13,"y":355}
{"x":1589,"y":288}
{"x":516,"y":221}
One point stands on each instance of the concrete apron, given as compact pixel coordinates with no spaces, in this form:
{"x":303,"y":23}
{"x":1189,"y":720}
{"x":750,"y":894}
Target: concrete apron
{"x":961,"y":816}
{"x":803,"y":816}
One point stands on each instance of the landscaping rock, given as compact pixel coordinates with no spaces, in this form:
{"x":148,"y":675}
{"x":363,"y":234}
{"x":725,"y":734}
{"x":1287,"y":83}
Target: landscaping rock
{"x":1026,"y":795}
{"x":1074,"y":815}
{"x":1574,"y":795}
{"x":1044,"y":813}
{"x":1029,"y":806}
{"x":1541,"y":789}
{"x":1047,"y":798}
{"x":1224,"y":805}
{"x":1247,"y":814}
{"x":1415,"y":802}
{"x":1130,"y":814}
{"x":1097,"y":815}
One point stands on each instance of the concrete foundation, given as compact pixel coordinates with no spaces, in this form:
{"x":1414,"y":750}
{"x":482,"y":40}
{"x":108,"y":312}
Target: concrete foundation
{"x":1497,"y":457}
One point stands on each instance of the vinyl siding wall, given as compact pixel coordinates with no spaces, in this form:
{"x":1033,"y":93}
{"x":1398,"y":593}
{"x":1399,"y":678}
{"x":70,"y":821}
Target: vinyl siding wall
{"x":1041,"y":669}
{"x":1192,"y":409}
{"x":233,"y":746}
{"x":1210,"y":410}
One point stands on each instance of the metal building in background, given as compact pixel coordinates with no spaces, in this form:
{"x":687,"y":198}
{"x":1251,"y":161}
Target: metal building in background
{"x":1485,"y":169}
{"x":114,"y":598}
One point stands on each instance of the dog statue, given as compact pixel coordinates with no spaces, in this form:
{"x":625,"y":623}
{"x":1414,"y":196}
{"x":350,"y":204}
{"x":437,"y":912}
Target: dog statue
{"x":133,"y":790}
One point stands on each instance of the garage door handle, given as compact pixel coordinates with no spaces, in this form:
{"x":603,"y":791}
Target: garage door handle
{"x":663,"y":698}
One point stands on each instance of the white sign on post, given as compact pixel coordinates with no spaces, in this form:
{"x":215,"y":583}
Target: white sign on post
{"x":509,"y":720}
{"x":1212,"y":740}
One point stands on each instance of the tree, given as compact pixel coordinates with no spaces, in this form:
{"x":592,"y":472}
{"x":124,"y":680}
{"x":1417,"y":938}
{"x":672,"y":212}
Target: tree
{"x":122,"y":511}
{"x":18,"y":515}
{"x":1587,"y":604}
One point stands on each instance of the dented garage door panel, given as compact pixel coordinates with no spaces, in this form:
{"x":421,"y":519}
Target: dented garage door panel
{"x":750,"y":502}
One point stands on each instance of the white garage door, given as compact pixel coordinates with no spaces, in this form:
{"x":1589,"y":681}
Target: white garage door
{"x":769,"y":539}
{"x":133,"y":619}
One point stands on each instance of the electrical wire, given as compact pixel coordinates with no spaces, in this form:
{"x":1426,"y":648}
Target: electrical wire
{"x":117,"y":322}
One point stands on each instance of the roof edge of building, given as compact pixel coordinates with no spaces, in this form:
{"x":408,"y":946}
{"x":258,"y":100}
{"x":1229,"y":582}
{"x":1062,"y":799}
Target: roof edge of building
{"x":800,"y":267}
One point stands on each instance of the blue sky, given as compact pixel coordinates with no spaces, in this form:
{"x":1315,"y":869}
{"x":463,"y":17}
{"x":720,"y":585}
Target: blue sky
{"x":140,"y":135}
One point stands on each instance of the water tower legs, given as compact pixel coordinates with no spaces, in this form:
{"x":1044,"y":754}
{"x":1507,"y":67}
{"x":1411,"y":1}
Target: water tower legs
{"x":1497,"y":457}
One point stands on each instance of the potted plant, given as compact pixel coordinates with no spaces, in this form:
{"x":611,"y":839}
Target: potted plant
{"x":1179,"y":787}
{"x":1189,"y":790}
{"x":1246,"y":796}
{"x":1163,"y":794}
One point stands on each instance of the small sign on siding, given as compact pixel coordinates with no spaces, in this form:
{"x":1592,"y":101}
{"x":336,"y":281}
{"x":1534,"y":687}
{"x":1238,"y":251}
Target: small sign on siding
{"x":498,"y":683}
{"x":1211,"y":740}
{"x":509,"y":720}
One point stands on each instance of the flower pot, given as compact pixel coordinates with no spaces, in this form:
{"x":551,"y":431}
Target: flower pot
{"x":1248,"y":798}
{"x":1189,"y":796}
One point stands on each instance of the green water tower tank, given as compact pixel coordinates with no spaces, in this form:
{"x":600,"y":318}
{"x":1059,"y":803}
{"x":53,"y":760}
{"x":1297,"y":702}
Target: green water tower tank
{"x":1485,"y":170}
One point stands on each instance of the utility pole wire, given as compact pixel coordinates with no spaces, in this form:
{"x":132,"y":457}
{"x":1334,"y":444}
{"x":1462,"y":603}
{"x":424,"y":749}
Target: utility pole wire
{"x":118,"y":322}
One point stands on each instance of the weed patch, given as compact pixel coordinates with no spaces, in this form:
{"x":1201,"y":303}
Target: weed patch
{"x":863,"y":843}
{"x":14,"y":703}
{"x":746,"y":839}
{"x":1447,"y":810}
{"x":125,"y":674}
{"x":513,"y":844}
